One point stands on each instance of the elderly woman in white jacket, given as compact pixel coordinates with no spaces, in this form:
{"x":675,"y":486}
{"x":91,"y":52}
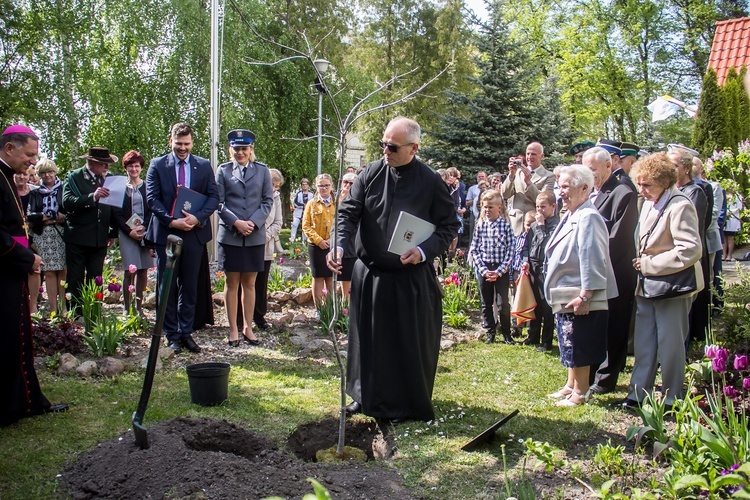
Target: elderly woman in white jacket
{"x":273,"y":228}
{"x":578,"y":281}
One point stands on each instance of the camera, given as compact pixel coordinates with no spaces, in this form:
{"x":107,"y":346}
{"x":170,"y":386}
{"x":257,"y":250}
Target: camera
{"x":50,"y":213}
{"x":518,"y":162}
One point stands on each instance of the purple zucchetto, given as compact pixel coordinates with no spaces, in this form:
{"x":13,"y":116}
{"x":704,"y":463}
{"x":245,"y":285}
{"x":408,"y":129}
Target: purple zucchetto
{"x":18,"y":129}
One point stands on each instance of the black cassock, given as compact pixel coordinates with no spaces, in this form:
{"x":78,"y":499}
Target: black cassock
{"x":20,"y":395}
{"x":395,"y":310}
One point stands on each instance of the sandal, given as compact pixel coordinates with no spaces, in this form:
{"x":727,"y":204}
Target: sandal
{"x":582,"y":399}
{"x":561,"y":393}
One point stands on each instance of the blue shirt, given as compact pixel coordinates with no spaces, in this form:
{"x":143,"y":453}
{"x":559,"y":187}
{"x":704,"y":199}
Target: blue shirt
{"x":493,"y":242}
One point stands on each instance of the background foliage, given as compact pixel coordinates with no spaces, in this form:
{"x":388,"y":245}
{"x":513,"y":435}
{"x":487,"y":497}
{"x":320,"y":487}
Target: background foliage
{"x":119,"y":73}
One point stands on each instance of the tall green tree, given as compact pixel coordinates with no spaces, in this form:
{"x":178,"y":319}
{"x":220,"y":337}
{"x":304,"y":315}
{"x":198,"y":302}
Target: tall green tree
{"x":508,"y":108}
{"x":709,"y":132}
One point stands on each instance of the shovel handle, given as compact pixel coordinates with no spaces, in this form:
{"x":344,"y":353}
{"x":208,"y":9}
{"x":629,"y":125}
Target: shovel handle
{"x":174,"y":248}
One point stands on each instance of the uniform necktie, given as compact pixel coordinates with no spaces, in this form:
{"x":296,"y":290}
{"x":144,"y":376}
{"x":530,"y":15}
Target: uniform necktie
{"x":181,"y":173}
{"x":244,"y":170}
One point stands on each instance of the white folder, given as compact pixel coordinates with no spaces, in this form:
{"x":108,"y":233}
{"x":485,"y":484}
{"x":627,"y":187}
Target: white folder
{"x":410,"y":231}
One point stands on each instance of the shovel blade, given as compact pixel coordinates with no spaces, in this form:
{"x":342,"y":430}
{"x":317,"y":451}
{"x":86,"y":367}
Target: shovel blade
{"x":141,"y":434}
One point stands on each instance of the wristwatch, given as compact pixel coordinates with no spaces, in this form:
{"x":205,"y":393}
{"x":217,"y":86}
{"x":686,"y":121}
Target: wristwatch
{"x":583,"y":298}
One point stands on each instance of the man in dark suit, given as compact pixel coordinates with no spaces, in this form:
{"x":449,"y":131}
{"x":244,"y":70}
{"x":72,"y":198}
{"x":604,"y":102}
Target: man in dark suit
{"x":164,"y":175}
{"x":88,"y":226}
{"x":617,"y":203}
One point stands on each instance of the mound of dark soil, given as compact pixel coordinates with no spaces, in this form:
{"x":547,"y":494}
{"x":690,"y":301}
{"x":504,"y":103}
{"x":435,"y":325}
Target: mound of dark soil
{"x":205,"y":458}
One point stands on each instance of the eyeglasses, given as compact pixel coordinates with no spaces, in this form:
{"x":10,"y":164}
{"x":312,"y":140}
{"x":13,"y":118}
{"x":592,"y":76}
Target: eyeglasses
{"x":323,"y":186}
{"x":393,"y":148}
{"x":347,"y":182}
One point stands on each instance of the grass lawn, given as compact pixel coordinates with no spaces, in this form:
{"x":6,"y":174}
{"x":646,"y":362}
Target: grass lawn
{"x":272,"y":392}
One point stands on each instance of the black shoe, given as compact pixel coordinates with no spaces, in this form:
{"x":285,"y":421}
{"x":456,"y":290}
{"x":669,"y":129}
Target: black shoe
{"x":626,"y":404}
{"x":508,"y":339}
{"x":544,"y":348}
{"x":353,"y":408}
{"x":599,"y":389}
{"x":176,"y":346}
{"x":263,"y":325}
{"x":530,"y":341}
{"x":58,"y":408}
{"x":254,"y":342}
{"x":490,"y":338}
{"x":234,"y":343}
{"x":188,"y":342}
{"x":397,"y":420}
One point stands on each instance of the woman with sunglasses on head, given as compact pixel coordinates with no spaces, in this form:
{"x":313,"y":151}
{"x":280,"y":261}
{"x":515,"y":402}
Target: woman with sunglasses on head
{"x":46,"y":216}
{"x":245,"y":200}
{"x":350,"y":256}
{"x":317,"y":221}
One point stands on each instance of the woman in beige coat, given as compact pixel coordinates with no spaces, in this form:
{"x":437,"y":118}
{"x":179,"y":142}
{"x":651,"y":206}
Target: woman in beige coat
{"x":668,"y":243}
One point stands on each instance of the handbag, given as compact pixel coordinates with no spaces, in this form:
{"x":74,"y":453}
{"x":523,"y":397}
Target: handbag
{"x":524,"y":302}
{"x":671,"y":285}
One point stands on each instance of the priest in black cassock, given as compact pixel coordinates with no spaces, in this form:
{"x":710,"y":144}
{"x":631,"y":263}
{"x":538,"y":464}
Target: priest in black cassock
{"x":395,"y":305}
{"x":20,"y":395}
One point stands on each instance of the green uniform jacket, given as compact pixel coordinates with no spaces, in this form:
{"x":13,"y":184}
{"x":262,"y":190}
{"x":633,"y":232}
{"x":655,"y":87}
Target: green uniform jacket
{"x":88,"y":223}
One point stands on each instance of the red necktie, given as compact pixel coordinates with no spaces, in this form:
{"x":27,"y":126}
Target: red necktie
{"x":181,"y":173}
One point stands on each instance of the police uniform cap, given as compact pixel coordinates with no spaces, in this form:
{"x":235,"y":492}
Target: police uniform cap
{"x":241,"y":137}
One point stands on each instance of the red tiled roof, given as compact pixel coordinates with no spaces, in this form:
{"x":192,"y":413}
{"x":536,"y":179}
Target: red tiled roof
{"x":731,"y":47}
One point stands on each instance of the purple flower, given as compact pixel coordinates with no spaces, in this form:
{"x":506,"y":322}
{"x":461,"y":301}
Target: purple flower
{"x":710,"y":351}
{"x":730,"y":391}
{"x":98,"y":280}
{"x":281,"y":260}
{"x":118,"y":287}
{"x":719,"y":365}
{"x":41,"y":289}
{"x":740,"y":363}
{"x":722,"y":353}
{"x":345,"y":312}
{"x":111,"y":287}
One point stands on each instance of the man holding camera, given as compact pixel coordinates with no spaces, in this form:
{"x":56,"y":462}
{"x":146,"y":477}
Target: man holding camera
{"x":524,"y":183}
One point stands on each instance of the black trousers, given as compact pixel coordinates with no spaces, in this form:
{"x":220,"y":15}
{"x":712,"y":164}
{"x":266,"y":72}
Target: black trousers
{"x":181,"y":303}
{"x":261,"y":294}
{"x":84,"y":263}
{"x":544,"y":324}
{"x":492,"y":291}
{"x":618,"y":331}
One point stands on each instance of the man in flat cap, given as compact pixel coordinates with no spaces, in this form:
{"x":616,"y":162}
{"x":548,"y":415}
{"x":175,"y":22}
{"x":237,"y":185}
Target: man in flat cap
{"x":89,"y":228}
{"x":165,"y":174}
{"x":524,"y":183}
{"x":20,"y":394}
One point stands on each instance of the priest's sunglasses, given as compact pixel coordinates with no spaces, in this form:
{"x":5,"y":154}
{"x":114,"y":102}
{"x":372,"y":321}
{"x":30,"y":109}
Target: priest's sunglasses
{"x":393,"y":148}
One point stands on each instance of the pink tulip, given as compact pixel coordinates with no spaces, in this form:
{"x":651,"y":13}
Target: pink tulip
{"x":131,"y":288}
{"x":740,"y":363}
{"x":710,"y":351}
{"x":281,"y":260}
{"x":133,"y":268}
{"x":325,"y":291}
{"x":746,"y":383}
{"x":719,"y":365}
{"x":345,"y":312}
{"x":722,"y":353}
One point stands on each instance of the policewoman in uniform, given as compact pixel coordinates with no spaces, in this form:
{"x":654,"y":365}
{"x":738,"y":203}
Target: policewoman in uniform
{"x":245,"y":200}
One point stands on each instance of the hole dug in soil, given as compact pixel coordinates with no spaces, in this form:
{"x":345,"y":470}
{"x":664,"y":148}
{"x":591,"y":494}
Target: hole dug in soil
{"x":363,"y":434}
{"x":206,"y":458}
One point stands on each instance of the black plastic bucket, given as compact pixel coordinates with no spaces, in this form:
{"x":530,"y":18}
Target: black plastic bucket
{"x":209,"y":383}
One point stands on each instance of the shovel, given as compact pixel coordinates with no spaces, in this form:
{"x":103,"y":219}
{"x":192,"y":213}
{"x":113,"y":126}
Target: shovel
{"x":174,"y":245}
